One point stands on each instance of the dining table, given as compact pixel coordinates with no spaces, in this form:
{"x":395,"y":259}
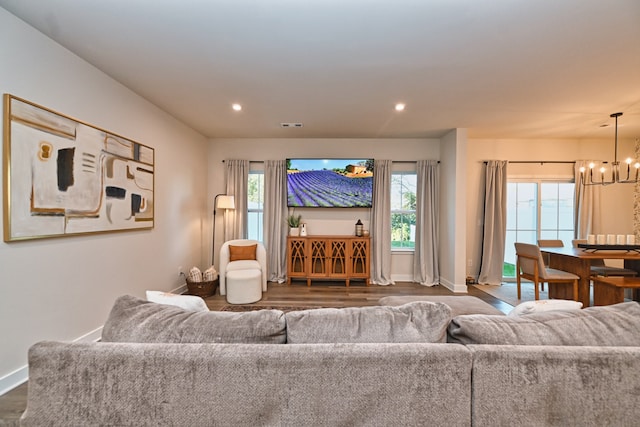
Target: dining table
{"x":578,"y":261}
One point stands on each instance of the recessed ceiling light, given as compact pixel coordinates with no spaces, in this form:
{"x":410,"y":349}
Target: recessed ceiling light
{"x":236,"y":107}
{"x":400,"y":107}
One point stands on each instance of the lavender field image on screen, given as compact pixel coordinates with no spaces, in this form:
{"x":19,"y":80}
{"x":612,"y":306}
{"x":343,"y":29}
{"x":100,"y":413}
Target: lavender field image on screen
{"x":344,"y":183}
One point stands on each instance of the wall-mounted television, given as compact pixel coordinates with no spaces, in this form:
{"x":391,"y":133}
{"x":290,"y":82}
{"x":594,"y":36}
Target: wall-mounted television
{"x":329,"y":183}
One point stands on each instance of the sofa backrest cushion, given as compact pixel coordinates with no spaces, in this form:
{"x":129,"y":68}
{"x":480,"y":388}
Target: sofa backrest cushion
{"x":422,"y":321}
{"x":614,"y":325}
{"x":135,"y":320}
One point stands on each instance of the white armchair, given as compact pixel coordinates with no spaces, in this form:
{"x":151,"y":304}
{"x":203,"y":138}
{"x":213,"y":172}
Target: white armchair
{"x":226,"y":265}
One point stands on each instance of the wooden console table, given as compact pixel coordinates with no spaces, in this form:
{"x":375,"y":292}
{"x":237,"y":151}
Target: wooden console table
{"x":328,"y":257}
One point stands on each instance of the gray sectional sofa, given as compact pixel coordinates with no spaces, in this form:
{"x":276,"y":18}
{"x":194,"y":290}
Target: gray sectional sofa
{"x":407,"y":365}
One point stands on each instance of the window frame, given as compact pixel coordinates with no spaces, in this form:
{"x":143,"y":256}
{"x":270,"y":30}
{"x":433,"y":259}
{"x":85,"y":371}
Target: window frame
{"x":259,"y":211}
{"x":403,"y":250}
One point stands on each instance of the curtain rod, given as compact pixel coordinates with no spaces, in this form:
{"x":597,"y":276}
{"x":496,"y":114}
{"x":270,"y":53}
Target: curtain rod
{"x":542,"y":162}
{"x":394,"y":161}
{"x":407,"y":161}
{"x":250,"y":161}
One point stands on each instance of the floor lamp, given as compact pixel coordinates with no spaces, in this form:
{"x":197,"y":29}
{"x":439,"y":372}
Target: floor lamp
{"x":221,"y":201}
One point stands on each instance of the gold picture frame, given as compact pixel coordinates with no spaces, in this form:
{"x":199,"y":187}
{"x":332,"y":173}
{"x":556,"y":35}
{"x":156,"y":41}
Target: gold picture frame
{"x":64,"y":177}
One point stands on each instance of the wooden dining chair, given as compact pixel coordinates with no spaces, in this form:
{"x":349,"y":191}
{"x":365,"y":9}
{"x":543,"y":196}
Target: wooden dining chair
{"x":548,"y":243}
{"x":530,"y":266}
{"x":599,"y":268}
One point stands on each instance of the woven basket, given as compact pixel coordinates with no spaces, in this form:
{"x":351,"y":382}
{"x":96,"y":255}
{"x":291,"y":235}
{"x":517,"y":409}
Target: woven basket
{"x":202,"y":289}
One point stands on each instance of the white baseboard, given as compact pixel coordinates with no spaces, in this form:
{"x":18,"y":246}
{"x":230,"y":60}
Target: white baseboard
{"x":456,"y":288}
{"x":451,"y":286}
{"x":21,"y":375}
{"x":13,"y":380}
{"x":402,"y":277}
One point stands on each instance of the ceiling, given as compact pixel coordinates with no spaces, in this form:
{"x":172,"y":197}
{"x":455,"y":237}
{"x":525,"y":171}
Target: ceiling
{"x":500,"y":68}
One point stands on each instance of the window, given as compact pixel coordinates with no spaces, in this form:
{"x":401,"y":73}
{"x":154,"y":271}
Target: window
{"x":537,"y":210}
{"x":403,"y":210}
{"x":255,"y":205}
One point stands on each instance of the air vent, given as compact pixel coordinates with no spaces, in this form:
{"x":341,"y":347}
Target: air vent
{"x":290,"y":125}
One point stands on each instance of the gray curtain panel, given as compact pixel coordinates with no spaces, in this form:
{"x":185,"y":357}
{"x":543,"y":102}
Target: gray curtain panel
{"x":275,"y":213}
{"x":425,"y":261}
{"x":495,"y":222}
{"x":235,"y":221}
{"x":587,"y":201}
{"x":381,"y":224}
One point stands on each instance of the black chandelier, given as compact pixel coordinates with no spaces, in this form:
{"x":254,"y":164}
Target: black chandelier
{"x":625,"y":174}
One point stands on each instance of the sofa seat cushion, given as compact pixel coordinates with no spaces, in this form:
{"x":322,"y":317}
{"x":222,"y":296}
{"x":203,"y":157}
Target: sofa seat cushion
{"x":613,"y":325}
{"x":243,"y":265}
{"x":135,"y":320}
{"x":421,"y":321}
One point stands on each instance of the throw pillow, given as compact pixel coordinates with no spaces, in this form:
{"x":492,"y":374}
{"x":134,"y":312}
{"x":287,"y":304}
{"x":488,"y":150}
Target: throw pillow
{"x":188,"y":302}
{"x":612,"y":325}
{"x":414,"y":322}
{"x":539,"y":306}
{"x":239,"y":253}
{"x":136,"y":320}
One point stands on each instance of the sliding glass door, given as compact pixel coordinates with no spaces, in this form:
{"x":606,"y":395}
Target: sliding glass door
{"x":537,"y":209}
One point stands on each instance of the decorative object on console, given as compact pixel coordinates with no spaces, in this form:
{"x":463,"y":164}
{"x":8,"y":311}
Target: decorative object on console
{"x":303,"y":229}
{"x":225,"y":202}
{"x":618,"y":175}
{"x":359,"y":227}
{"x":64,"y":177}
{"x":294,"y":221}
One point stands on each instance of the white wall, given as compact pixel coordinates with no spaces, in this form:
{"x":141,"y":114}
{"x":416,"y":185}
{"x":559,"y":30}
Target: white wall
{"x":63,"y":288}
{"x":616,"y":215}
{"x":321,"y":221}
{"x":453,"y":202}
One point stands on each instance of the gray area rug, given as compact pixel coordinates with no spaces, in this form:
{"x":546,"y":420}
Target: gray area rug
{"x":249,"y":307}
{"x":508,"y":292}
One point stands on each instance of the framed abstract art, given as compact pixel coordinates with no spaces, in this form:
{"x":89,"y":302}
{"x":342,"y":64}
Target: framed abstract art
{"x":65,"y":177}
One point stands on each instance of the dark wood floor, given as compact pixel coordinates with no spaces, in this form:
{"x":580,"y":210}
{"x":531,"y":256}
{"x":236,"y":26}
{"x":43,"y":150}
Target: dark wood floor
{"x":298,"y":294}
{"x":335,"y":294}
